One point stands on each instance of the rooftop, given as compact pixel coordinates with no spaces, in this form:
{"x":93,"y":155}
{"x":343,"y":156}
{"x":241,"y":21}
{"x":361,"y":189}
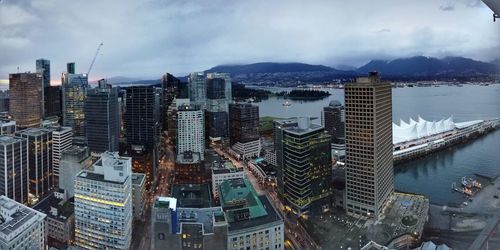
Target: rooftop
{"x":14,"y":216}
{"x":7,"y":139}
{"x":192,"y":195}
{"x":62,"y":210}
{"x":188,"y":157}
{"x":33,"y":132}
{"x":205,"y":216}
{"x":138,"y":179}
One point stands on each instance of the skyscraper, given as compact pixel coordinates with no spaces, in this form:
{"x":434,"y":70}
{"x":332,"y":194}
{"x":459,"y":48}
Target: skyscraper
{"x":70,"y":68}
{"x":53,"y":99}
{"x":103,"y":204}
{"x":41,"y":172}
{"x":62,"y":139}
{"x":190,"y":130}
{"x":369,"y":163}
{"x":197,"y":89}
{"x":170,"y":86}
{"x":26,"y":99}
{"x":43,"y":67}
{"x":334,"y":121}
{"x":216,"y":104}
{"x":13,"y":161}
{"x":227,"y":84}
{"x":73,"y":160}
{"x":103,"y":121}
{"x":305,"y":163}
{"x":141,"y":117}
{"x":74,"y":92}
{"x":244,"y":129}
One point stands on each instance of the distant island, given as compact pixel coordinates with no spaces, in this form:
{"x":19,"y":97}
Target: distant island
{"x":241,"y":92}
{"x":304,"y":94}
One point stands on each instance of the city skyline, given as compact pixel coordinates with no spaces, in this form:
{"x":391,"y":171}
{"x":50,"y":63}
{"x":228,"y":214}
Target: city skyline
{"x":184,"y":36}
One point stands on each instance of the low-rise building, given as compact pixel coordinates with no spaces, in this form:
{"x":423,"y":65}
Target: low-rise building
{"x":60,"y":220}
{"x":21,"y":227}
{"x":192,"y":195}
{"x":138,"y":194}
{"x":175,"y":227}
{"x":253,"y":222}
{"x":189,"y":169}
{"x":224,"y":171}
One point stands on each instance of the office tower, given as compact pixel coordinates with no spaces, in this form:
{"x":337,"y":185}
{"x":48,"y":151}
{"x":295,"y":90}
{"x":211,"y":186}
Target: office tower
{"x":70,"y":68}
{"x":62,"y":139}
{"x":170,"y":86}
{"x":244,"y":130}
{"x":253,"y":222}
{"x":102,"y":117}
{"x":21,"y":227}
{"x":74,"y":92}
{"x":222,"y":171}
{"x":304,"y":160}
{"x":73,"y":160}
{"x":103,"y":204}
{"x":7,"y":127}
{"x":141,"y":117}
{"x":139,"y":197}
{"x":14,"y":181}
{"x":216,"y":104}
{"x":227,"y":84}
{"x":176,"y":227}
{"x":197,"y":89}
{"x":190,"y":130}
{"x":53,"y":99}
{"x":172,"y":120}
{"x":4,"y":101}
{"x":369,"y":169}
{"x":43,"y":67}
{"x":41,"y":172}
{"x":26,"y":99}
{"x":333,"y":119}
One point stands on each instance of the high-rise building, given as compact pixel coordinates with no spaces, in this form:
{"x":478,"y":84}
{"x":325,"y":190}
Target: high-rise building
{"x":190,"y":130}
{"x":369,"y":163}
{"x":253,"y":222}
{"x":14,"y":182}
{"x":244,"y":130}
{"x":43,"y":67}
{"x":181,"y":228}
{"x":62,"y":139}
{"x":103,"y":204}
{"x":21,"y":227}
{"x":74,"y":92}
{"x":304,"y":161}
{"x":227,"y":84}
{"x":170,"y":86}
{"x":197,"y":89}
{"x":103,"y":121}
{"x":26,"y":99}
{"x":333,"y":119}
{"x":141,"y":117}
{"x":73,"y":160}
{"x":53,"y":99}
{"x":70,"y":68}
{"x":41,"y":172}
{"x":139,"y":197}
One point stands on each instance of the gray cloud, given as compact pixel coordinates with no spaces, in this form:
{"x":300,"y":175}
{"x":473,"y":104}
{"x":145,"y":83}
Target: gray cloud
{"x":448,"y":7}
{"x":145,"y":39}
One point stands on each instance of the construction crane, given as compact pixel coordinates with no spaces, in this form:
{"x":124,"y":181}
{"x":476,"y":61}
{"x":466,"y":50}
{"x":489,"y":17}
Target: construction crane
{"x":95,"y":56}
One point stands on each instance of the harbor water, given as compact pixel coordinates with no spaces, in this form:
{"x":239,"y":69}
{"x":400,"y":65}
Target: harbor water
{"x":431,"y":175}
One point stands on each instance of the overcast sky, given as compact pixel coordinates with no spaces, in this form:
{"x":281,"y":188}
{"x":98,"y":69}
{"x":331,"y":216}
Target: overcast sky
{"x":144,"y":39}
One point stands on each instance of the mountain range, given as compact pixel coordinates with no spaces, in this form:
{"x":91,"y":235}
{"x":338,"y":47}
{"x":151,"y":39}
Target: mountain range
{"x":412,"y":68}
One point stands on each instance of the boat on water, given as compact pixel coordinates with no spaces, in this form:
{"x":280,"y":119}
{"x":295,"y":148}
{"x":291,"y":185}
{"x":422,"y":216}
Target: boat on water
{"x":287,"y":104}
